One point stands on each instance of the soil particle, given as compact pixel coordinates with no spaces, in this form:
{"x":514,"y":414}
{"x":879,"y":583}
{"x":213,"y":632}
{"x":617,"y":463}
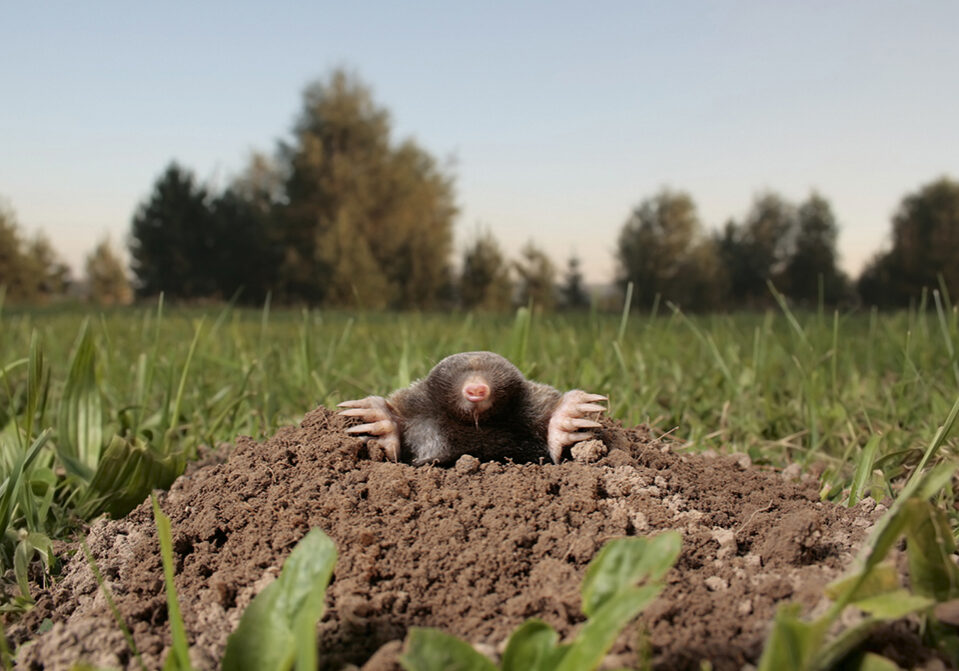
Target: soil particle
{"x":473,"y":549}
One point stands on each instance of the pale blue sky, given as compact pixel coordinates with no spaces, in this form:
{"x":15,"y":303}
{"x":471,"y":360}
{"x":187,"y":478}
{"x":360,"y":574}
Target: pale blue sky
{"x":559,"y":116}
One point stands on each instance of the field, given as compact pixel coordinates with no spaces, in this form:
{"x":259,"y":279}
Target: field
{"x":131,"y":395}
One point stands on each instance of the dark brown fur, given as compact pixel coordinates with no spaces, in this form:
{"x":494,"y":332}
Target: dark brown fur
{"x":436,"y":427}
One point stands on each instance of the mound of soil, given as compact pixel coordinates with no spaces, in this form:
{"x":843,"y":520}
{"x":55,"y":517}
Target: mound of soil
{"x":474,"y":549}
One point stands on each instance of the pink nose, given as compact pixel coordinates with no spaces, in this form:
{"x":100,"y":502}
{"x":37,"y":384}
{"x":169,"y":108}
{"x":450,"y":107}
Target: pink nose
{"x":476,"y":392}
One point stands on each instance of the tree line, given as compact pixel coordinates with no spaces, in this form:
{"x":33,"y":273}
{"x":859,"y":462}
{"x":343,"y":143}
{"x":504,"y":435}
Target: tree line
{"x":32,"y":272}
{"x":341,"y":214}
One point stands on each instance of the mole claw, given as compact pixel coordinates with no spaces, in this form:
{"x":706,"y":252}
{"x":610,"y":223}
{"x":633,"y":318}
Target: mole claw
{"x":594,"y":397}
{"x":374,"y":428}
{"x":590,"y":407}
{"x":353,"y":412}
{"x":351,"y":404}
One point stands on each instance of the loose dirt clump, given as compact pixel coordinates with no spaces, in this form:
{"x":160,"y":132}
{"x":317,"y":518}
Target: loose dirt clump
{"x":474,"y":549}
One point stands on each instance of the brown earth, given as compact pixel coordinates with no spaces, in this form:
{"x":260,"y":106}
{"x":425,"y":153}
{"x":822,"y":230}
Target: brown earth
{"x":474,"y":549}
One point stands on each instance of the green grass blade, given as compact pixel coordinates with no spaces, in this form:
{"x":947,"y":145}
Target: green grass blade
{"x":179,"y":656}
{"x":10,"y":488}
{"x":937,"y":441}
{"x":34,"y":385}
{"x":944,"y":328}
{"x":178,"y":400}
{"x":108,"y":595}
{"x":627,"y":304}
{"x":863,"y":470}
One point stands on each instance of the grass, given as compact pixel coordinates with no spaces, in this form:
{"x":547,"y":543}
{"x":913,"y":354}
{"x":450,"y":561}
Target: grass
{"x":779,"y":386}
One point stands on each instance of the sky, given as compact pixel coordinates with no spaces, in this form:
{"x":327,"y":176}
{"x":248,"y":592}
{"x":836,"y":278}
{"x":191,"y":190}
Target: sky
{"x":556,"y":118}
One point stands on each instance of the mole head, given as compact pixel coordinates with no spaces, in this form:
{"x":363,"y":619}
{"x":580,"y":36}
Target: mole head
{"x":474,"y":386}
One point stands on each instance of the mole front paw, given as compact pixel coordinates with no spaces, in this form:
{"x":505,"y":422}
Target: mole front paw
{"x":570,"y":421}
{"x":379,"y":423}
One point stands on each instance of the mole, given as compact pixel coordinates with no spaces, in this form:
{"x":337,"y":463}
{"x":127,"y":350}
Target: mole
{"x":476,"y":403}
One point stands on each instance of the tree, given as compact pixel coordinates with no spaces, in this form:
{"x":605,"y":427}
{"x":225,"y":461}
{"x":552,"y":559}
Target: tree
{"x":572,"y":292}
{"x":925,"y":247}
{"x":49,"y":272}
{"x":247,"y":257}
{"x":662,"y":250}
{"x":365,"y":222}
{"x":813,"y":261}
{"x":485,"y":280}
{"x":759,"y":249}
{"x":107,"y":280}
{"x":29,"y":270}
{"x":877,"y":283}
{"x":537,"y":277}
{"x":16,"y":274}
{"x":173,"y":238}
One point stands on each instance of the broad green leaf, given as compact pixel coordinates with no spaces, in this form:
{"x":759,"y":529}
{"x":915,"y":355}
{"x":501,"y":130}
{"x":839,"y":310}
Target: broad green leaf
{"x":30,"y":544}
{"x":929,"y":548}
{"x":433,"y":650}
{"x":80,"y":416}
{"x":127,"y":473}
{"x":873,"y":662}
{"x":530,"y":647}
{"x":279,"y":626}
{"x":792,"y":644}
{"x":21,"y":562}
{"x":624,"y":562}
{"x":881,"y":579}
{"x":179,"y":656}
{"x":936,"y":479}
{"x":604,"y":626}
{"x":893,"y":605}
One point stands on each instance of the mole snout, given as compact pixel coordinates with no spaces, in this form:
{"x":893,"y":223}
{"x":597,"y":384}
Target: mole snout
{"x":476,"y":392}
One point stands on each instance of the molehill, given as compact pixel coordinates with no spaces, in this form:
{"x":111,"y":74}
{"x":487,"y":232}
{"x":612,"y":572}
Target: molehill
{"x":474,"y":549}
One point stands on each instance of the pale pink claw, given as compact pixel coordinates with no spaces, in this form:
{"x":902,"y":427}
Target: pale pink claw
{"x":570,"y":416}
{"x":379,"y":422}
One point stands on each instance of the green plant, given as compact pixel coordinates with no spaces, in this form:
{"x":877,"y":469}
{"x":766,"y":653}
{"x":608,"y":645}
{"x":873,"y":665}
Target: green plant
{"x":624,"y":577}
{"x":875,"y":590}
{"x":278,"y":629}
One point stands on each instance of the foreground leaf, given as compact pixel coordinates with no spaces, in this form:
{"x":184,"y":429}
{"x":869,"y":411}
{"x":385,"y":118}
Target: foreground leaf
{"x":930,"y":547}
{"x":624,"y":562}
{"x":80,"y":416}
{"x":433,"y":650}
{"x":792,"y":643}
{"x":279,"y":626}
{"x":604,"y":626}
{"x":880,"y":579}
{"x":532,"y":647}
